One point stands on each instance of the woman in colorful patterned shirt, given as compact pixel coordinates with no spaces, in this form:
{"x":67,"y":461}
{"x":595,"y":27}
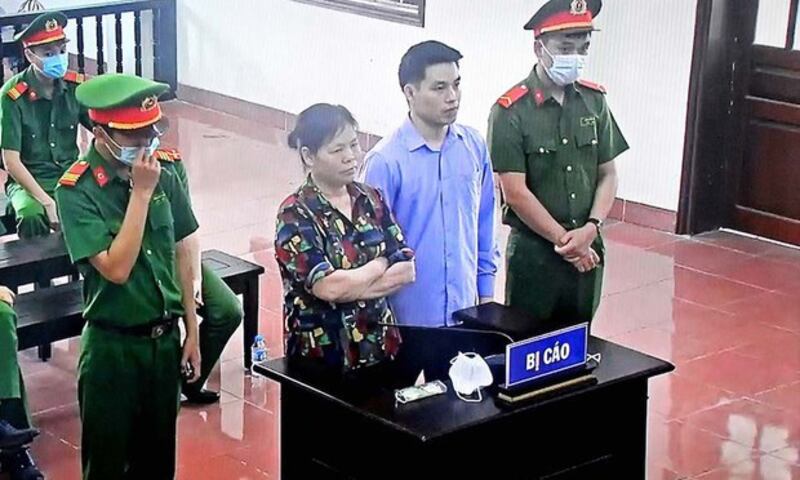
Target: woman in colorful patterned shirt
{"x":339,"y":249}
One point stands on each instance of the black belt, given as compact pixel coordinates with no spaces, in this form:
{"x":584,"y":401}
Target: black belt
{"x":153,"y":330}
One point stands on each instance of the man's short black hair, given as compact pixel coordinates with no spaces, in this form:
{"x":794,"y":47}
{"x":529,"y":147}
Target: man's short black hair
{"x":421,"y":56}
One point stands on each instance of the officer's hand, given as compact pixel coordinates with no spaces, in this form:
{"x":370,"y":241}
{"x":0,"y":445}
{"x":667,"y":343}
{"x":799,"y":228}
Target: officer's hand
{"x":145,"y":174}
{"x":577,"y":242}
{"x":52,"y":214}
{"x":191,"y":355}
{"x":7,"y":296}
{"x":585,"y":263}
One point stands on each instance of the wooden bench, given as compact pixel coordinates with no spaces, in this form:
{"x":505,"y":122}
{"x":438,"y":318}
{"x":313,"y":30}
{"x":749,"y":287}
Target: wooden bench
{"x":51,"y":314}
{"x":35,"y":260}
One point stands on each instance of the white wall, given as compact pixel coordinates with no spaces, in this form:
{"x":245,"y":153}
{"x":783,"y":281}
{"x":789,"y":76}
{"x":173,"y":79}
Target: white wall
{"x":289,"y":55}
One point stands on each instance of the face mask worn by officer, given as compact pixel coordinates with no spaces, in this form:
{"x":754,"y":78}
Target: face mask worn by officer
{"x":566,"y":69}
{"x":128,"y":155}
{"x":54,"y":67}
{"x":469,"y":372}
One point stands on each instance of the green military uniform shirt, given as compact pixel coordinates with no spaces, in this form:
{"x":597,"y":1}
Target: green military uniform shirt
{"x":92,"y":211}
{"x":43,"y":131}
{"x":558,"y":148}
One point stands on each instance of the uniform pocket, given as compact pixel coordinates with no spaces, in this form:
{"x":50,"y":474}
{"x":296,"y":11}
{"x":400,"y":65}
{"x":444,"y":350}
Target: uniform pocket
{"x":586,"y":135}
{"x":160,"y":214}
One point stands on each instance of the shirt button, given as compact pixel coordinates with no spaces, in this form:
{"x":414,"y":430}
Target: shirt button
{"x":569,"y":168}
{"x":53,"y":145}
{"x":53,"y":125}
{"x":594,"y":141}
{"x":565,"y":141}
{"x":362,"y":244}
{"x":541,"y":149}
{"x":72,"y":127}
{"x":572,"y":196}
{"x":33,"y":135}
{"x":149,"y":252}
{"x":574,"y":222}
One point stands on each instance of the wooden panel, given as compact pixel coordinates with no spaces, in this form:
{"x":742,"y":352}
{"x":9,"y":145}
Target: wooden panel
{"x":775,"y":74}
{"x":767,"y":225}
{"x":768,"y":202}
{"x":776,"y":84}
{"x":771,"y":175}
{"x":773,"y":110}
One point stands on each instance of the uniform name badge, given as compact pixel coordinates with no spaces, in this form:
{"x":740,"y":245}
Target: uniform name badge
{"x":545,"y":355}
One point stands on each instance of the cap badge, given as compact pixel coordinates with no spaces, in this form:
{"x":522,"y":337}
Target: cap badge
{"x":578,"y":7}
{"x":51,"y":25}
{"x":149,"y":103}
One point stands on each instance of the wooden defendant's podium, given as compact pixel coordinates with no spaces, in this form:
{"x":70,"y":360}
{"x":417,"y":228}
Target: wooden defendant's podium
{"x":334,"y":427}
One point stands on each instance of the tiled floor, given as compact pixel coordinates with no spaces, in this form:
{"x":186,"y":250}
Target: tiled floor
{"x":723,"y":308}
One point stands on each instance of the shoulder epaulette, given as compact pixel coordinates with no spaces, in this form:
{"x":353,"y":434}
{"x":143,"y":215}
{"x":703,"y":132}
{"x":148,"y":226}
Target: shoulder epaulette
{"x":510,"y":97}
{"x":74,"y":77}
{"x":17,"y":90}
{"x":168,"y":155}
{"x":73,"y":174}
{"x":593,"y":86}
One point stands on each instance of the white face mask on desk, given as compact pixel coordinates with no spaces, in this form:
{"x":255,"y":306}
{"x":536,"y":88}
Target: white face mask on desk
{"x":469,"y":372}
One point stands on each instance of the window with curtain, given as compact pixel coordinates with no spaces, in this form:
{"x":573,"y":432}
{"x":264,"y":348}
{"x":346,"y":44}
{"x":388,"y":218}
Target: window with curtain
{"x":411,"y":12}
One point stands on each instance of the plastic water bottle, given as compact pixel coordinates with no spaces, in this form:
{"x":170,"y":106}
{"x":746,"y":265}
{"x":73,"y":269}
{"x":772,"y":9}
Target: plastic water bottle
{"x":258,"y":351}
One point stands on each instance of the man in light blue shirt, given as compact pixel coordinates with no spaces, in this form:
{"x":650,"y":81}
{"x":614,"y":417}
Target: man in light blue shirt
{"x":437,"y":178}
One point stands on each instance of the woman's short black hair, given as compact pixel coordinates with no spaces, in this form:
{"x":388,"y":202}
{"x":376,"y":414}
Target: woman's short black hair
{"x":318,"y":124}
{"x":421,"y":56}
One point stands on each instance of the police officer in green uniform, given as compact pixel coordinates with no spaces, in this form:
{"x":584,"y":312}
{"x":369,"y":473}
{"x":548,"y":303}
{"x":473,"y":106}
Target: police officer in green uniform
{"x":40,"y":118}
{"x":15,"y":424}
{"x":123,"y":220}
{"x":220,"y":309}
{"x":553,"y":141}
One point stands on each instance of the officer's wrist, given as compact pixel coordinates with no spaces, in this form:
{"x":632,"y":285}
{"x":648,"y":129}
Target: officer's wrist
{"x":594,"y":224}
{"x":47,"y":201}
{"x":142,"y":194}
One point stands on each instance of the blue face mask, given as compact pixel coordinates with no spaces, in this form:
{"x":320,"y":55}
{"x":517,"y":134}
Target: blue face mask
{"x":54,"y":67}
{"x":128,"y":155}
{"x":566,"y":69}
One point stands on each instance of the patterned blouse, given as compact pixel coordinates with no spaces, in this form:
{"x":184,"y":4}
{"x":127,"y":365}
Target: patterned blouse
{"x":313,"y":240}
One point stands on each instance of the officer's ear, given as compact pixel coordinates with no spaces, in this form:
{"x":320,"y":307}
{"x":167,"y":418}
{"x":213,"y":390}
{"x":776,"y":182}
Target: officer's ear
{"x":29,"y":55}
{"x":538,"y":47}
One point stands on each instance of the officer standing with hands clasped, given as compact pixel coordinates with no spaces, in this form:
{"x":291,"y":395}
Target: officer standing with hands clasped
{"x":553,"y":141}
{"x":123,"y":219}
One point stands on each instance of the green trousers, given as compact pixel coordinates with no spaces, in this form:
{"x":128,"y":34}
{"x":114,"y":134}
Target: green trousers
{"x":30,"y":215}
{"x":222,"y":314}
{"x":129,"y":395}
{"x":540,"y":282}
{"x":13,"y":403}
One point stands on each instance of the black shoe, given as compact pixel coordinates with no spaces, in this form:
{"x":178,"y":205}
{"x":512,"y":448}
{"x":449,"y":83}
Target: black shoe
{"x":20,"y":465}
{"x":11,"y":437}
{"x":200,"y":396}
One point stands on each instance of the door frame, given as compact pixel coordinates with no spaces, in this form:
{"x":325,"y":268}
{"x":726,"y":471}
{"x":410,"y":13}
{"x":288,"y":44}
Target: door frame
{"x":713,"y":149}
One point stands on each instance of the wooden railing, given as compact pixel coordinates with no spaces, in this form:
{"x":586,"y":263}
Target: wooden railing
{"x":164,"y":38}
